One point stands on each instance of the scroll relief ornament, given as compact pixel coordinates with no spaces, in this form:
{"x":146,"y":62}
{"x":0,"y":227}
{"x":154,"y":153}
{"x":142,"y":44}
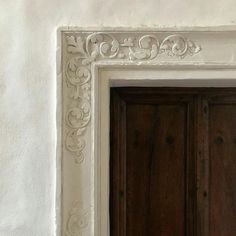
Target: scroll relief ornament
{"x":83,"y":49}
{"x":78,"y":221}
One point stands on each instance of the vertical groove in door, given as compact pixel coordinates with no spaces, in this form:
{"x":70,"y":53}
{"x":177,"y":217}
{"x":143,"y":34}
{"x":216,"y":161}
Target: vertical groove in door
{"x":191,"y":169}
{"x":118,"y":166}
{"x":202,"y":167}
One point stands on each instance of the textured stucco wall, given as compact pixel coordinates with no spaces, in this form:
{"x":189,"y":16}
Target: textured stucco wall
{"x":28,"y":90}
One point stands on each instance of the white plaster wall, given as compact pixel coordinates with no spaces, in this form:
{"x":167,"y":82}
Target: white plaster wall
{"x":28,"y":90}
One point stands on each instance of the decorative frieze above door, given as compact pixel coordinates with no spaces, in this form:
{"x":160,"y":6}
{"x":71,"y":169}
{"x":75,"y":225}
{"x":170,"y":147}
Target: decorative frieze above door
{"x":92,"y":61}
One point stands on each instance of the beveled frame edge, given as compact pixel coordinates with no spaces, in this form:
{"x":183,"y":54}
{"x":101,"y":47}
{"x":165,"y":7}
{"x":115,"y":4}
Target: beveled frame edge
{"x":105,"y":63}
{"x":147,"y":28}
{"x":58,"y":191}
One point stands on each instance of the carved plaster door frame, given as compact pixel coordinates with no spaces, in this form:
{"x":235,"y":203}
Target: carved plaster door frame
{"x":93,"y":60}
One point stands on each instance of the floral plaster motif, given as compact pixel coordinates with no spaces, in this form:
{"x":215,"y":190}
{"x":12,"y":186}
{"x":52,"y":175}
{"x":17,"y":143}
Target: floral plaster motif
{"x":78,"y":221}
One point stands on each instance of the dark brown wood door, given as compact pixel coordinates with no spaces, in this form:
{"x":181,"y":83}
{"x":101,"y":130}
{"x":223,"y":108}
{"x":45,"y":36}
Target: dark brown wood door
{"x":173,"y":162}
{"x":222,"y":168}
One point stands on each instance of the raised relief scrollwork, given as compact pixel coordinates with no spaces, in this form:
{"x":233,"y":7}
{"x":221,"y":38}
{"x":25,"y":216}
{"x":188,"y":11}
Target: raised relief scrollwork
{"x":79,"y":111}
{"x":148,"y":48}
{"x":78,"y":221}
{"x":87,"y":48}
{"x":104,"y":45}
{"x":177,"y":45}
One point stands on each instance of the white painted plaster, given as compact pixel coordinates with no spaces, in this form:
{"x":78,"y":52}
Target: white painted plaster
{"x":28,"y":90}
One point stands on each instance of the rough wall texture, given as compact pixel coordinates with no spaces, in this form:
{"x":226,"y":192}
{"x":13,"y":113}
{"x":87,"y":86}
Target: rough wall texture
{"x":28,"y":90}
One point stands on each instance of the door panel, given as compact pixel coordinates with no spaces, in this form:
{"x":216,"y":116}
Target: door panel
{"x":155,"y":169}
{"x":222,"y":199}
{"x":152,"y":190}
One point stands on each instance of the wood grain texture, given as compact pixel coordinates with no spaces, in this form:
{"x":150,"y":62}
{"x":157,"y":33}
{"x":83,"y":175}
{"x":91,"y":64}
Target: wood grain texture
{"x":222,"y":169}
{"x":155,"y":167}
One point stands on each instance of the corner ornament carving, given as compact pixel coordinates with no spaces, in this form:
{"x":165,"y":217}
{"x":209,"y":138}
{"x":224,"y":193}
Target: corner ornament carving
{"x":85,"y":48}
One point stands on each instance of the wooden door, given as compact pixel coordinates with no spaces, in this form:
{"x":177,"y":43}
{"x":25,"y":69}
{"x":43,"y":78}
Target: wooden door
{"x":173,"y":162}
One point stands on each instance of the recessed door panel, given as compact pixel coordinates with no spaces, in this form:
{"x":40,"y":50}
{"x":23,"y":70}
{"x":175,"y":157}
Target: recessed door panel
{"x":156,"y":169}
{"x":222,"y":195}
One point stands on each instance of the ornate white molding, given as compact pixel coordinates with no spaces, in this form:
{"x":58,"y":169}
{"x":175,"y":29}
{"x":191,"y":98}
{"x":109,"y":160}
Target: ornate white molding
{"x":87,"y":48}
{"x":87,"y":51}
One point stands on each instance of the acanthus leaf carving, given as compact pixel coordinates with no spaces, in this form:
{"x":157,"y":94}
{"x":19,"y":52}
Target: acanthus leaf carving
{"x":75,"y":45}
